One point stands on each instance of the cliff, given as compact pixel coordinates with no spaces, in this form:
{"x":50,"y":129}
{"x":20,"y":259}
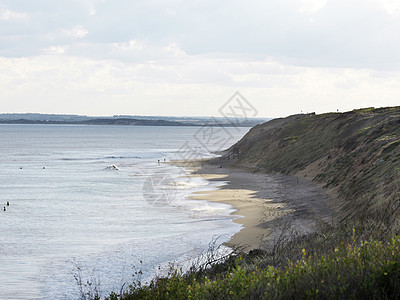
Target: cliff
{"x":356,"y":153}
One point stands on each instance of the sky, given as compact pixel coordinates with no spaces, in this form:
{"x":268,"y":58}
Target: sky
{"x":188,"y":57}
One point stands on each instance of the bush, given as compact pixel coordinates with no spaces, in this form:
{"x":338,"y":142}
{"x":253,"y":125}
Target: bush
{"x":366,"y":269}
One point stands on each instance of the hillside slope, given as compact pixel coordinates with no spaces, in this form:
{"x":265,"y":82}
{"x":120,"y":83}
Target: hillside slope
{"x":356,"y":153}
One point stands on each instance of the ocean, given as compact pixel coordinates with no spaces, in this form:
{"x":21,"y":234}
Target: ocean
{"x":98,"y":205}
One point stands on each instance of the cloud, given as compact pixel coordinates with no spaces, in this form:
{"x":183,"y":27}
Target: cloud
{"x":77,"y":32}
{"x":54,"y":50}
{"x":186,"y":57}
{"x":8,"y":15}
{"x":193,"y":85}
{"x":312,"y":5}
{"x":391,"y":6}
{"x":324,"y":33}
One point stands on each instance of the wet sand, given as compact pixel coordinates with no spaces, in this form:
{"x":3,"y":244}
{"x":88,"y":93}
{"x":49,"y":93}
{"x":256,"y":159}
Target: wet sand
{"x":266,"y":204}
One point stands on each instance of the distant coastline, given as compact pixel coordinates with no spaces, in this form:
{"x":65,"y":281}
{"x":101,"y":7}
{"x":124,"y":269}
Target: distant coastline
{"x":34,"y":118}
{"x":131,"y":122}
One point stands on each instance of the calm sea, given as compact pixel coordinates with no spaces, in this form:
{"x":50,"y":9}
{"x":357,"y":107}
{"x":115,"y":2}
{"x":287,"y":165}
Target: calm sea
{"x":92,"y":203}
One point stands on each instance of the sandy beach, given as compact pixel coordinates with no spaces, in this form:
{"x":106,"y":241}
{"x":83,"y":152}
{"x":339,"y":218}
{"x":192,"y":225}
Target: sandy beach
{"x":266,"y":204}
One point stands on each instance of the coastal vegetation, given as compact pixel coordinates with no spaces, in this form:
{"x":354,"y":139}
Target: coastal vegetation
{"x":354,"y":154}
{"x":360,"y":269}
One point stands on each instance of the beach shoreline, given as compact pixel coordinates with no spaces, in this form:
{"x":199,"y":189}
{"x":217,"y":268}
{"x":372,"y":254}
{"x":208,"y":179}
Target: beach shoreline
{"x":266,"y":205}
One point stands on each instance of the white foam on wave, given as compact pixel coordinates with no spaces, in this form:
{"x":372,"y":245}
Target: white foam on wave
{"x":201,"y":208}
{"x":172,"y":183}
{"x":178,"y":187}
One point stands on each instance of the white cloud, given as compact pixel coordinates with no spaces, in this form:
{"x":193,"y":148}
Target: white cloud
{"x":311,"y":6}
{"x":174,"y":50}
{"x":194,"y":85}
{"x":54,"y":50}
{"x":391,"y":6}
{"x":8,"y":15}
{"x":132,"y":45}
{"x":77,"y":32}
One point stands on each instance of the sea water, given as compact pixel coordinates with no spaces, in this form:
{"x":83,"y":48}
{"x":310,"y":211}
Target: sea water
{"x":92,"y":209}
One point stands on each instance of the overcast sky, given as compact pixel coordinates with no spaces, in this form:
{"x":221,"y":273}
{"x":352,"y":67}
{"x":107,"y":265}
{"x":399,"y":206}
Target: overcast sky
{"x":187,"y":57}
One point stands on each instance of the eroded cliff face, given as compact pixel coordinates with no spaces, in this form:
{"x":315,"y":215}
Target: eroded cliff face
{"x":356,"y":153}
